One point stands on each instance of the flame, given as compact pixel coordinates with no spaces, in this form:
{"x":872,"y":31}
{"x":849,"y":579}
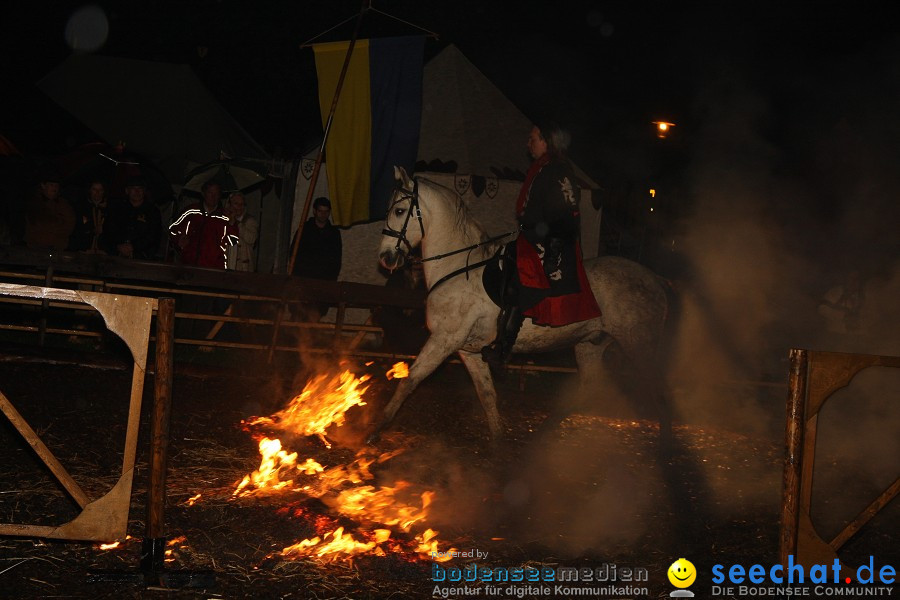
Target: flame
{"x":275,"y":462}
{"x":428,"y":547}
{"x":192,"y":500}
{"x":368,"y":504}
{"x":322,"y":403}
{"x":341,"y":544}
{"x":113,"y":545}
{"x":347,"y":488}
{"x":172,"y":546}
{"x":400,"y":370}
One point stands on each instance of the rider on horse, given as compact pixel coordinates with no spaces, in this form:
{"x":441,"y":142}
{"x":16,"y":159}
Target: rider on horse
{"x":543,"y":277}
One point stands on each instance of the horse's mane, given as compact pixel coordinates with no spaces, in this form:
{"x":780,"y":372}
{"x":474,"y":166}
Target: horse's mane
{"x":465,"y":223}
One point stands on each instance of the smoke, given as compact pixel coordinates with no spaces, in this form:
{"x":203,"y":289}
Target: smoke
{"x":857,"y":447}
{"x":793,"y":188}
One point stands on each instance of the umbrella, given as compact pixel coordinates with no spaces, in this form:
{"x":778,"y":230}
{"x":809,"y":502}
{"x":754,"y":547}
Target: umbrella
{"x":114,"y":166}
{"x":233,"y":174}
{"x":160,"y":110}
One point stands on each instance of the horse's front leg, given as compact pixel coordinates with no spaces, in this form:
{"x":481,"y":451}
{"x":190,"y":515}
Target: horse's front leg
{"x":435,"y":351}
{"x":480,"y":373}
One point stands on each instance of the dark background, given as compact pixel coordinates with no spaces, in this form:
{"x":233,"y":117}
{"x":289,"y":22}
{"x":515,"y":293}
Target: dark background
{"x":810,"y":92}
{"x":606,"y":69}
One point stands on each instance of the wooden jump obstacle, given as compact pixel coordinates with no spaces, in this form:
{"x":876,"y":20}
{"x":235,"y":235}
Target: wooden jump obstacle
{"x":105,"y":519}
{"x":814,"y":377}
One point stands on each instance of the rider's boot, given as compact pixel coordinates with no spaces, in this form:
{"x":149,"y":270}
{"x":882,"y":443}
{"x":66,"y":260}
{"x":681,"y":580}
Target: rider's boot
{"x":509,"y":322}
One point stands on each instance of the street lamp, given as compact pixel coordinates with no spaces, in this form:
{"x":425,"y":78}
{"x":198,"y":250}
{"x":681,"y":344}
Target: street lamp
{"x":663,"y":128}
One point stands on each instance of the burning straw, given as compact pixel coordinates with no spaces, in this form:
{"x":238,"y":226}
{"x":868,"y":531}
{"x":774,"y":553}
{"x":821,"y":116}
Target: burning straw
{"x":347,"y":489}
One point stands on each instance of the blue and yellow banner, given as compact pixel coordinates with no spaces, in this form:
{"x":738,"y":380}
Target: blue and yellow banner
{"x":376,"y":122}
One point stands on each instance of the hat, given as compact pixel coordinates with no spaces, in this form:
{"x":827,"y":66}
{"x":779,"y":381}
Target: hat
{"x":135,"y":181}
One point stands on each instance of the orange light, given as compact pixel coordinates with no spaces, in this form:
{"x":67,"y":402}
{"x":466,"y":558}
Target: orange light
{"x":652,"y":193}
{"x":663,"y":128}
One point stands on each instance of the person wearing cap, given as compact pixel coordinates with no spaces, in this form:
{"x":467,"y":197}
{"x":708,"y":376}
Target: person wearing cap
{"x":543,"y":274}
{"x":320,"y":249}
{"x":49,"y":218}
{"x":203,"y":232}
{"x":134,"y":225}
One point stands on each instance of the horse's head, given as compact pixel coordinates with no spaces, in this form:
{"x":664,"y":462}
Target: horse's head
{"x":403,"y":228}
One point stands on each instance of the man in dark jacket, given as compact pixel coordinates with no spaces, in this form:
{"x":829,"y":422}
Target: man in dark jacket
{"x":49,"y":218}
{"x":90,"y":213}
{"x":133,"y":226}
{"x":319,"y":253}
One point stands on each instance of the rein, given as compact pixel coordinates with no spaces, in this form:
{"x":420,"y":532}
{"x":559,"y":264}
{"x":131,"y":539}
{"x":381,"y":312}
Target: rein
{"x":413,"y":197}
{"x":468,"y":267}
{"x":459,"y":271}
{"x":467,"y":248}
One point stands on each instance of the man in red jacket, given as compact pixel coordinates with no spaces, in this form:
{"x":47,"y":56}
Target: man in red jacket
{"x":203,"y":233}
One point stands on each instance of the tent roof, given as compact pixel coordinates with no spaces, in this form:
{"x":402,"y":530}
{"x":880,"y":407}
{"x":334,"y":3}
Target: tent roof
{"x":466,"y":119}
{"x":158,"y":109}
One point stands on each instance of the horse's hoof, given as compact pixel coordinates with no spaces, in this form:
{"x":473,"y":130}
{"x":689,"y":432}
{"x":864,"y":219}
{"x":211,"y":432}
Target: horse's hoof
{"x":374,"y":437}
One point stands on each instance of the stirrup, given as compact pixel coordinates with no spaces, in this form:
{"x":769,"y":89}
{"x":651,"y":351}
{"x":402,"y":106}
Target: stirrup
{"x":495,"y":354}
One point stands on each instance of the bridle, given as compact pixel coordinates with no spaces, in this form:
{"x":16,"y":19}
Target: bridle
{"x":413,"y":197}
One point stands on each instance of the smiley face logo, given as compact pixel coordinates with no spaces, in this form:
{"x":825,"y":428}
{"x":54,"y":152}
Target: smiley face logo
{"x":682,"y":573}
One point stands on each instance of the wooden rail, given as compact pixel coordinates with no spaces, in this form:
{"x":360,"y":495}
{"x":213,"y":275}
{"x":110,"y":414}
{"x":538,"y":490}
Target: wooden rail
{"x":203,"y":295}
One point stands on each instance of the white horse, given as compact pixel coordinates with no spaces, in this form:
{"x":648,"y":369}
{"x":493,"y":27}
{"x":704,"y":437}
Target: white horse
{"x":462,"y":318}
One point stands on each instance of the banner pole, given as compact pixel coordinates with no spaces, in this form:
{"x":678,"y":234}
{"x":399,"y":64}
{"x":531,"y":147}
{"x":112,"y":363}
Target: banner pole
{"x":315,"y":174}
{"x":295,"y":244}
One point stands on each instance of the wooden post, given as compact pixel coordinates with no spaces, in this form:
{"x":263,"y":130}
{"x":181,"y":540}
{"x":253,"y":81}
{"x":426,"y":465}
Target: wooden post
{"x":793,"y":439}
{"x":45,"y":304}
{"x":154,"y":543}
{"x":339,"y":324}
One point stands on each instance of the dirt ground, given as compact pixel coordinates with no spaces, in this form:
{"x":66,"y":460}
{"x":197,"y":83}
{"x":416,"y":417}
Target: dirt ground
{"x":595,"y":490}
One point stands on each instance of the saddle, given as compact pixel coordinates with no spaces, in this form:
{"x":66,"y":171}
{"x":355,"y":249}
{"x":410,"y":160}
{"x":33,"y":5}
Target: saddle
{"x":493,"y":276}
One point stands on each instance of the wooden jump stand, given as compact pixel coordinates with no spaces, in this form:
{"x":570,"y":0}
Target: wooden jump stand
{"x":105,"y":518}
{"x":814,"y":377}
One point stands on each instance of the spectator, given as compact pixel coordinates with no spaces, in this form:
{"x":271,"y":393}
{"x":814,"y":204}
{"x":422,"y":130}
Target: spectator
{"x":134,"y":224}
{"x":90,"y":213}
{"x":320,"y":249}
{"x":202,"y":233}
{"x":242,"y":256}
{"x":49,"y":218}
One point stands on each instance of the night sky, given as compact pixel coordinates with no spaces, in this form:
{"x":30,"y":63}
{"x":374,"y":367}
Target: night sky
{"x":812,"y":92}
{"x":605,"y":69}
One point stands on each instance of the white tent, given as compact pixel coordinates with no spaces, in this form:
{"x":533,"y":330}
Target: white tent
{"x":466,"y":120}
